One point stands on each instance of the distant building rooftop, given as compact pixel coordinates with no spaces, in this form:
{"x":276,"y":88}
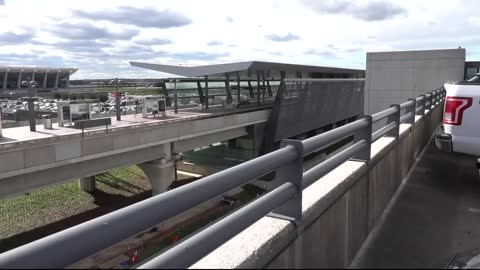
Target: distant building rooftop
{"x":37,"y":69}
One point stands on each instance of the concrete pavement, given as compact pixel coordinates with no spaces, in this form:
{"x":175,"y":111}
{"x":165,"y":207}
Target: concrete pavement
{"x":436,"y":216}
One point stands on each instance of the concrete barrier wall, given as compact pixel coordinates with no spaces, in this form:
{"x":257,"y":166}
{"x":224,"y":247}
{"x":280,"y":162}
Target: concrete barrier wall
{"x":339,"y":210}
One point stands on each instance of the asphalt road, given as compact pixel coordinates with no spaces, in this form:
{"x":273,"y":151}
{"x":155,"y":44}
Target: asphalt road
{"x":436,"y":216}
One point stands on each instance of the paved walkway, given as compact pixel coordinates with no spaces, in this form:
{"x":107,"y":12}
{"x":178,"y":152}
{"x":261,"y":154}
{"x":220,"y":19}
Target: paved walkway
{"x":436,"y":216}
{"x":19,"y":134}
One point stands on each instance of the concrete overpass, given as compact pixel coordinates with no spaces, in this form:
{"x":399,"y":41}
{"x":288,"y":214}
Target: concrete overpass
{"x":31,"y":160}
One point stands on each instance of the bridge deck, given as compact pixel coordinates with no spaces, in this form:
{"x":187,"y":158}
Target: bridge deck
{"x":437,"y":215}
{"x":17,"y":135}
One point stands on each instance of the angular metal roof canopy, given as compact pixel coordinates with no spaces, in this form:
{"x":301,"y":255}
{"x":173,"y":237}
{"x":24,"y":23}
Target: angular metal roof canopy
{"x":247,"y":69}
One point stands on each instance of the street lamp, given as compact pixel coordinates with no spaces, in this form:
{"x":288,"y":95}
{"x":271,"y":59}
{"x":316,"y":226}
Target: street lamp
{"x":31,"y":110}
{"x":116,"y":82}
{"x":175,"y":95}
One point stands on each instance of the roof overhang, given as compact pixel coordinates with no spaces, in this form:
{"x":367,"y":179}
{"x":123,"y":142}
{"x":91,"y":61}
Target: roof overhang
{"x":247,"y":69}
{"x":37,"y":69}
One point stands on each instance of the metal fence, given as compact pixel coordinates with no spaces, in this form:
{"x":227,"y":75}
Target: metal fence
{"x":285,"y":201}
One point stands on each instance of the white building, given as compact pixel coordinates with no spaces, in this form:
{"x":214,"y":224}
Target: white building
{"x":11,"y":77}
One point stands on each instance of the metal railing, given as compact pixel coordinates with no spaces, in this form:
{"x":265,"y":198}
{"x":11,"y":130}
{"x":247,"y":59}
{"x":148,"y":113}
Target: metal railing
{"x":285,"y":201}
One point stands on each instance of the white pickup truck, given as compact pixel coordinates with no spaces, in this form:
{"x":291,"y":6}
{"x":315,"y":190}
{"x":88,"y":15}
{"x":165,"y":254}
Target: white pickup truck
{"x":461,"y":118}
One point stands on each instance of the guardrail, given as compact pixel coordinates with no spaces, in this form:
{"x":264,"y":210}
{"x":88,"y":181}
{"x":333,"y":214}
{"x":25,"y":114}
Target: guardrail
{"x":285,"y":201}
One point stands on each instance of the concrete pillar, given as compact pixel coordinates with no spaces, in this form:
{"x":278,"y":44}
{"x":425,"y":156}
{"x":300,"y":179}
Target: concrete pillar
{"x":19,"y":81}
{"x":5,"y":80}
{"x":87,"y":184}
{"x":57,"y":79}
{"x":256,"y":135}
{"x":161,"y":173}
{"x":33,"y":75}
{"x":45,"y":79}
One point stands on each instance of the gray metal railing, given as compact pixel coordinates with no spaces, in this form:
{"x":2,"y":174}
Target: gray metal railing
{"x":285,"y":201}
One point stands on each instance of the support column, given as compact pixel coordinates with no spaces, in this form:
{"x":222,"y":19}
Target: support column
{"x":206,"y":92}
{"x":200,"y":92}
{"x":161,"y":173}
{"x":33,"y":75}
{"x":258,"y":87}
{"x":45,"y":79}
{"x":57,"y":79}
{"x":5,"y":80}
{"x":68,"y":80}
{"x":87,"y":184}
{"x":19,"y":81}
{"x":239,"y":87}
{"x":227,"y":88}
{"x":264,"y":87}
{"x":270,"y":93}
{"x":250,"y":89}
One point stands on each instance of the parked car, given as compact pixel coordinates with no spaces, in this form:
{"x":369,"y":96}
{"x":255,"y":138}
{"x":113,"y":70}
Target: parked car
{"x":461,"y":122}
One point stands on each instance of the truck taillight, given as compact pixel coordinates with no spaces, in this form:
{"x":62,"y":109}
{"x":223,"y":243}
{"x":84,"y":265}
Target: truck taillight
{"x":454,"y":108}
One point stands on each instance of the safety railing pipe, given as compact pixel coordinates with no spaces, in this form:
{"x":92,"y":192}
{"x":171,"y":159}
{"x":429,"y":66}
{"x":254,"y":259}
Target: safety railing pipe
{"x":409,"y":103}
{"x":199,"y":245}
{"x":328,"y":138}
{"x":124,"y":223}
{"x":383,"y":131}
{"x":407,"y":117}
{"x":384,"y":114}
{"x":319,"y":171}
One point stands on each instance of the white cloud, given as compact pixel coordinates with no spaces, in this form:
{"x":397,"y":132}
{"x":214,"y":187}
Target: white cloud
{"x":100,"y":37}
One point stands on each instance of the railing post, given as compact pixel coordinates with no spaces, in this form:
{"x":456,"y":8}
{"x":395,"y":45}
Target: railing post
{"x":423,"y":104}
{"x":429,"y":101}
{"x":364,"y":134}
{"x":413,"y":110}
{"x":394,"y":118}
{"x":293,"y":172}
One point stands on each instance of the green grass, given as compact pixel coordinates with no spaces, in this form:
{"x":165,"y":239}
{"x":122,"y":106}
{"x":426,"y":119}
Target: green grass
{"x":46,"y":206}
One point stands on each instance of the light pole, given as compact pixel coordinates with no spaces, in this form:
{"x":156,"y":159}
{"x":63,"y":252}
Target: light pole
{"x":31,"y":109}
{"x":116,"y":82}
{"x":175,"y":95}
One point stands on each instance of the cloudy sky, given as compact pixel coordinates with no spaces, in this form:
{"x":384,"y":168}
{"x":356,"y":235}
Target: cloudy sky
{"x":101,"y":36}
